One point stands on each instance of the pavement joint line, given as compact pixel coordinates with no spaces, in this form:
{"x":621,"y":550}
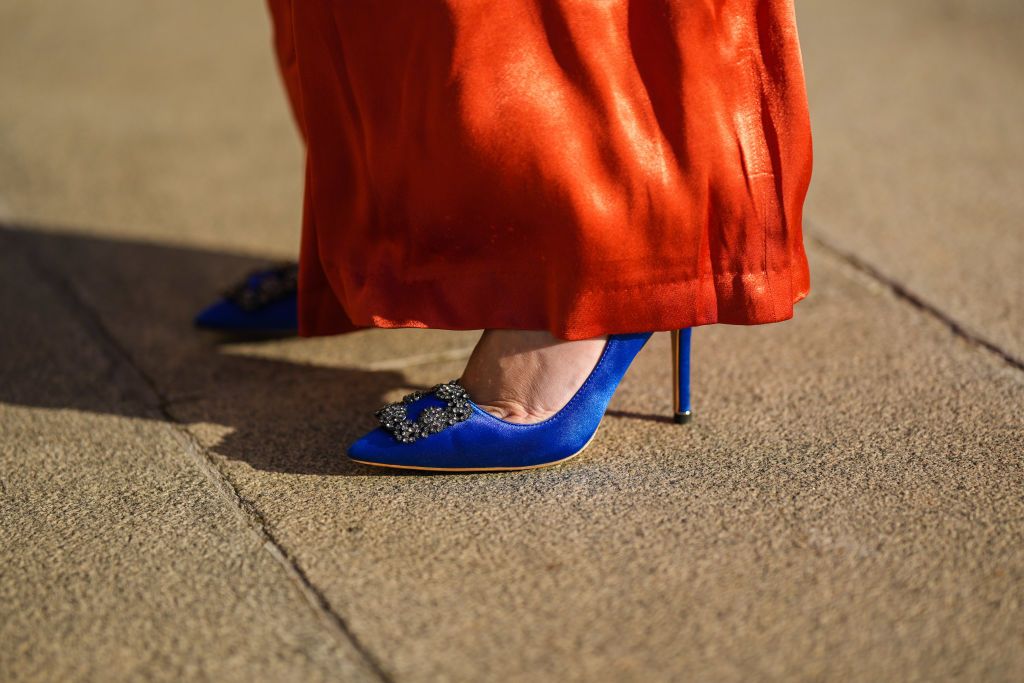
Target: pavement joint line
{"x":210,"y":468}
{"x":903,"y":293}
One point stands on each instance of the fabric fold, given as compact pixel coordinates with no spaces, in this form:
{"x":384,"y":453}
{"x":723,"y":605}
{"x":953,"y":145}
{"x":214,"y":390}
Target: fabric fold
{"x":586,"y":168}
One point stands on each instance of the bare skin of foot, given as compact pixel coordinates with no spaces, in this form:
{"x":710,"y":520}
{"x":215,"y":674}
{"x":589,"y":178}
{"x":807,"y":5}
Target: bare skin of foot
{"x":526,"y":376}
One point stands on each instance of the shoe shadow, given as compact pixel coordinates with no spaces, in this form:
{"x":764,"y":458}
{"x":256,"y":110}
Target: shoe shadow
{"x":264,"y":404}
{"x":251,"y":402}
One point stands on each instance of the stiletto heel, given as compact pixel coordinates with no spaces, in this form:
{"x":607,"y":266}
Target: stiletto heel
{"x":681,"y":375}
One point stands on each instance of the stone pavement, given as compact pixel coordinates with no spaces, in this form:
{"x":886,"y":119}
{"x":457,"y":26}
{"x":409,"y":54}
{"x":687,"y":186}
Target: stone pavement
{"x":177,"y":507}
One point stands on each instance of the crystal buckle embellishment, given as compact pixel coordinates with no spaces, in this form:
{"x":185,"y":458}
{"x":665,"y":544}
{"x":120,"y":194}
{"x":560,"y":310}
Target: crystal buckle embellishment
{"x":273,"y":286}
{"x":394,"y":416}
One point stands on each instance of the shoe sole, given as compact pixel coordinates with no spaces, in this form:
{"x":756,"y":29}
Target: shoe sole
{"x":477,"y":469}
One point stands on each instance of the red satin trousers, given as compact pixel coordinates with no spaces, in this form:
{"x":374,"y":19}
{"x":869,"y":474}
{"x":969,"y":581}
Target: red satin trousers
{"x":576,"y":166}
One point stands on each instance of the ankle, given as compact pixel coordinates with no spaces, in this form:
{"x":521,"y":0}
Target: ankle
{"x":525,"y":376}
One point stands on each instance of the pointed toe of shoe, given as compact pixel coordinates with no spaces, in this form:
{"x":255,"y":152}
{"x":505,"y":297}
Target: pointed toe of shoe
{"x":375,"y":448}
{"x":219,"y":315}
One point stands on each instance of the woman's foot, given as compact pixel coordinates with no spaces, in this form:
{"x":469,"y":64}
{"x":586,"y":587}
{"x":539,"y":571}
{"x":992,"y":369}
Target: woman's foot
{"x":526,"y":376}
{"x":523,"y":376}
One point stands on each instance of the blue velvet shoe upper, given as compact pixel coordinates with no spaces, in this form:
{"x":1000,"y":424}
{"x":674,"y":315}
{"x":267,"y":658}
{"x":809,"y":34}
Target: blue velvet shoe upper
{"x":265,"y":301}
{"x":484,"y":441}
{"x":280,"y":316}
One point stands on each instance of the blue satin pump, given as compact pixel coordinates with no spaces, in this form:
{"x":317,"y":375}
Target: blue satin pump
{"x":265,"y":301}
{"x":443,"y":429}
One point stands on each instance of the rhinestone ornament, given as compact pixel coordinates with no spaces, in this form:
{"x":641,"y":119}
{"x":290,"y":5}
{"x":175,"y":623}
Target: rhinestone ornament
{"x":270,"y":287}
{"x":394,"y":417}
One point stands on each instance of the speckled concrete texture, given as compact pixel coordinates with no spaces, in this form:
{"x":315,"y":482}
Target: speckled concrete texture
{"x":123,"y":559}
{"x":163,"y":122}
{"x":176,"y":506}
{"x":916,"y":108}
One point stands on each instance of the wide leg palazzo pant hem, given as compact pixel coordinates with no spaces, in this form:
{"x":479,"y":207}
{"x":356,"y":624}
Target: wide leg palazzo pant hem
{"x":583,"y":168}
{"x":691,"y":303}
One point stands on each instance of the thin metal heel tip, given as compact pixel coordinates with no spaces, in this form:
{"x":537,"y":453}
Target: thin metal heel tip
{"x":682,"y":418}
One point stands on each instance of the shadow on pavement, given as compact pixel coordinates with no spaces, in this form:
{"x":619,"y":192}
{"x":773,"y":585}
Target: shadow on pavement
{"x":136,"y":301}
{"x":278,"y":406}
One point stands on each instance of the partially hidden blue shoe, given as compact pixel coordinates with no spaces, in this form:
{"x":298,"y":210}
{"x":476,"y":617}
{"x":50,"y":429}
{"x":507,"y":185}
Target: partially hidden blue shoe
{"x":443,"y":429}
{"x":264,"y":302}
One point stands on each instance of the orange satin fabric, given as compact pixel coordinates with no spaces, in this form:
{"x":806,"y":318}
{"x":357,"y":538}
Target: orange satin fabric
{"x":578,"y":166}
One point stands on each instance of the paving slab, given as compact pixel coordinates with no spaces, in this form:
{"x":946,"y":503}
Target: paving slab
{"x":124,"y":558}
{"x":916,"y":109}
{"x":847,"y":504}
{"x":159,"y":121}
{"x":847,"y":507}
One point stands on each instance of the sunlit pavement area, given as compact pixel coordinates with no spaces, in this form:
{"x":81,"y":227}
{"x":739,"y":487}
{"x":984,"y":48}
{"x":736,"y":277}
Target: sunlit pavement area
{"x":177,"y":506}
